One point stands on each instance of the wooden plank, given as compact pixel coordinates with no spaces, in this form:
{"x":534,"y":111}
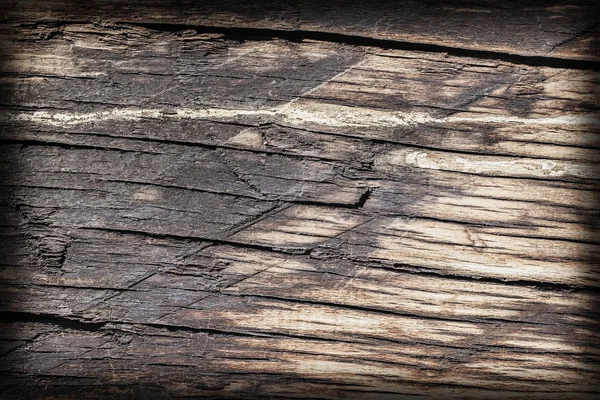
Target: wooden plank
{"x":570,"y":28}
{"x":257,"y":176}
{"x":297,"y":297}
{"x":185,"y":214}
{"x":529,"y":94}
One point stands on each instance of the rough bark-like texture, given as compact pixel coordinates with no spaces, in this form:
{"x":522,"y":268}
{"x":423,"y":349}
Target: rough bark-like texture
{"x":191,"y":214}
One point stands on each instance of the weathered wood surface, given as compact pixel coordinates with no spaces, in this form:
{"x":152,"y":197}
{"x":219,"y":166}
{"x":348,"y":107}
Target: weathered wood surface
{"x":190,"y":215}
{"x":561,"y":29}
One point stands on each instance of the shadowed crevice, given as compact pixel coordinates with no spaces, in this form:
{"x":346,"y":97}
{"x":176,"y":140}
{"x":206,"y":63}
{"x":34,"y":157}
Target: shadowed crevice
{"x":260,"y":34}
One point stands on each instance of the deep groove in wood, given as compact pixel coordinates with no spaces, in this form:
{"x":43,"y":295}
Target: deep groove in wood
{"x":260,"y":34}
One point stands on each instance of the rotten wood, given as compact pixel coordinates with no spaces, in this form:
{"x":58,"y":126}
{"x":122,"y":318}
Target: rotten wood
{"x":190,"y":215}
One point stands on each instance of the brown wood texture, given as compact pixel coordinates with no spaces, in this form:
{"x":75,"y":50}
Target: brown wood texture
{"x":565,"y":29}
{"x":195,"y":214}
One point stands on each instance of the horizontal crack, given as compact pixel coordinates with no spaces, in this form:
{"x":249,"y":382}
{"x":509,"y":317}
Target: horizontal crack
{"x":221,"y":241}
{"x":538,"y":285}
{"x":53,"y":319}
{"x":244,"y":34}
{"x":384,"y":311}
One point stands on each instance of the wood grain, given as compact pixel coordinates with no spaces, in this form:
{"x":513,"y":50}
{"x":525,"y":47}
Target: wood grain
{"x":190,"y":215}
{"x":566,"y":30}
